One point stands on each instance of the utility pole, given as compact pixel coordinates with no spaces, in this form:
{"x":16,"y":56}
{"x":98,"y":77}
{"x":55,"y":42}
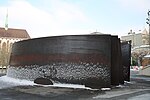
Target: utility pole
{"x":148,"y":22}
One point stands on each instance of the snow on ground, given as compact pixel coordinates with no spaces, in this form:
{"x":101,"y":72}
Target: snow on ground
{"x":147,"y":56}
{"x":7,"y":82}
{"x":120,"y":86}
{"x":16,"y":81}
{"x":105,"y":89}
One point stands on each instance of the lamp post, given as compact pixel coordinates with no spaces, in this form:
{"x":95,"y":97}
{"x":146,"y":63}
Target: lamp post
{"x":148,"y":22}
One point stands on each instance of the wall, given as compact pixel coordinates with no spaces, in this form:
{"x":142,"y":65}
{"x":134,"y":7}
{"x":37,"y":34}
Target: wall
{"x":5,"y":49}
{"x":83,"y":59}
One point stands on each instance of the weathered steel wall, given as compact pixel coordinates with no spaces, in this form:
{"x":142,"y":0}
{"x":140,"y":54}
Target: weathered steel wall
{"x":121,"y":74}
{"x":92,"y":60}
{"x":126,"y":59}
{"x":115,"y":60}
{"x":81,"y":59}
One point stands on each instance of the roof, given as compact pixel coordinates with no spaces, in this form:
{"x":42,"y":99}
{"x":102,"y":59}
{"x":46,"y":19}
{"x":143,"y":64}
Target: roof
{"x":145,"y":32}
{"x":14,"y":33}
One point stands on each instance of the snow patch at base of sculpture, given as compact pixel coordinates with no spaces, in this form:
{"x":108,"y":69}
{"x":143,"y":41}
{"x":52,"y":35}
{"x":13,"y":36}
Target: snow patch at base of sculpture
{"x":12,"y":82}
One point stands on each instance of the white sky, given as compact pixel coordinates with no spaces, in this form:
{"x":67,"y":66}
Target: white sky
{"x":59,"y":17}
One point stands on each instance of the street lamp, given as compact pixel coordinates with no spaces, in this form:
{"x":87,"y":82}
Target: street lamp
{"x":148,"y":22}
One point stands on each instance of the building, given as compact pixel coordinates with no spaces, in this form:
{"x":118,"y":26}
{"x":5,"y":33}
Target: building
{"x":7,"y":38}
{"x":140,"y":46}
{"x":137,"y":39}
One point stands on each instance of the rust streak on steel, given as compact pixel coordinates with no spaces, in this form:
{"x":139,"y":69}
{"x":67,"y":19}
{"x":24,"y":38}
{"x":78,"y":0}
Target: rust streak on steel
{"x":77,"y":58}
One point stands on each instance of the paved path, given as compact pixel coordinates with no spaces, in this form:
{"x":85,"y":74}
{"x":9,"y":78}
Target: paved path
{"x":137,"y":89}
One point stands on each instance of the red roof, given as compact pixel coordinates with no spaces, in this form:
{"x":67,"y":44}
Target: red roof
{"x":14,"y":33}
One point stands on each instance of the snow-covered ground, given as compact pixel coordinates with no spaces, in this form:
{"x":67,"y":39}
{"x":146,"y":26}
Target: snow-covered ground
{"x":7,"y":82}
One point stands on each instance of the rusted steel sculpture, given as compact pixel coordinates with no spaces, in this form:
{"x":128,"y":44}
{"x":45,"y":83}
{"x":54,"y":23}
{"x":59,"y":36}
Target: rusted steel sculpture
{"x":91,"y":60}
{"x":115,"y":57}
{"x":126,"y":59}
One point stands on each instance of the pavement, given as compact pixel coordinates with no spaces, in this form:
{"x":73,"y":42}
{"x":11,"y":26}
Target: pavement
{"x":137,"y":89}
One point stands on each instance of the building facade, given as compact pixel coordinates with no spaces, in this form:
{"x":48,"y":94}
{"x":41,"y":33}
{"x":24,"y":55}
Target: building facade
{"x":7,"y":38}
{"x":140,"y":46}
{"x":137,"y":39}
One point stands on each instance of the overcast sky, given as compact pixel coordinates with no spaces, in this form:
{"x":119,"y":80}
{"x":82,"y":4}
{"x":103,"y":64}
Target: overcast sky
{"x":58,"y":17}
